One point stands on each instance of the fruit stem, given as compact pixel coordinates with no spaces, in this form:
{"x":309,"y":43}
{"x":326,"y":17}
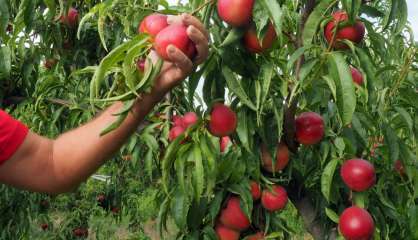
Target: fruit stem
{"x":202,"y":6}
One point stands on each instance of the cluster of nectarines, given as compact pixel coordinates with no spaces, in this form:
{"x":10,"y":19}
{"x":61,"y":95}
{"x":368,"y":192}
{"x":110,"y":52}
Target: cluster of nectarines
{"x":222,"y":123}
{"x":232,"y":220}
{"x":238,"y":13}
{"x":356,"y":223}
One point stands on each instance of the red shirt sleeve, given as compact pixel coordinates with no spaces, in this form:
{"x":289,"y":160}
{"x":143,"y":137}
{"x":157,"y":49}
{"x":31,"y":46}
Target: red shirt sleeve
{"x":12,"y":134}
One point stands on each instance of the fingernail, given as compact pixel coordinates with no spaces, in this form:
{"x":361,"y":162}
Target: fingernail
{"x":171,"y":49}
{"x":192,"y":29}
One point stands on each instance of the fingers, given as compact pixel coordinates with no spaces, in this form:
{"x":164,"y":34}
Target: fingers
{"x":201,"y":42}
{"x":178,"y":58}
{"x":190,"y":20}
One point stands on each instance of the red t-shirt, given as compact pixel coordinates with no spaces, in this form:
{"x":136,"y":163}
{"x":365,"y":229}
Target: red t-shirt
{"x":12,"y":134}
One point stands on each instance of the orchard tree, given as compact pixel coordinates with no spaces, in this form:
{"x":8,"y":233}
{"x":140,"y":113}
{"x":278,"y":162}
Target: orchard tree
{"x":301,"y":123}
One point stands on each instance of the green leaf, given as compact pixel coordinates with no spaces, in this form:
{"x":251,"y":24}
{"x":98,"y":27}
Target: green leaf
{"x":199,"y":174}
{"x":210,"y":157}
{"x":4,"y":16}
{"x":179,"y":209}
{"x":115,"y":56}
{"x":267,"y":71}
{"x":346,"y":98}
{"x":413,"y":221}
{"x":233,"y":36}
{"x":314,"y":20}
{"x":332,"y":215}
{"x":242,"y":128}
{"x":275,"y":12}
{"x":406,"y":117}
{"x":236,"y":87}
{"x":5,"y":62}
{"x":391,"y":140}
{"x":331,"y":85}
{"x":326,"y":178}
{"x":260,"y":18}
{"x":296,"y":55}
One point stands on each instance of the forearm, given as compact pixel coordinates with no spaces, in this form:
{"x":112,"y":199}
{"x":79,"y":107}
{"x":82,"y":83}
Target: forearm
{"x":80,"y":152}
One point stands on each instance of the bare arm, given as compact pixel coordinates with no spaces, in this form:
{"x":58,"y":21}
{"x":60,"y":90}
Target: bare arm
{"x":56,"y":166}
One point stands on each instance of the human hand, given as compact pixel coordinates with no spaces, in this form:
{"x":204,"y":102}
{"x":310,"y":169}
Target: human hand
{"x":180,"y":66}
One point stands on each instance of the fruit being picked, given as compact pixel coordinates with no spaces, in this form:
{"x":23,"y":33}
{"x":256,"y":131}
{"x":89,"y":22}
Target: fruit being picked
{"x":175,"y":35}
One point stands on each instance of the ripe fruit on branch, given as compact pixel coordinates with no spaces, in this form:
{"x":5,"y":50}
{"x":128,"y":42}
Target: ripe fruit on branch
{"x":80,"y":232}
{"x":257,"y":236}
{"x":49,"y":63}
{"x":175,"y":132}
{"x":309,"y":128}
{"x":356,"y":224}
{"x":44,"y":226}
{"x":236,"y":13}
{"x":71,"y":19}
{"x":223,"y":121}
{"x":254,"y":45}
{"x":223,"y":143}
{"x":153,"y":24}
{"x":189,"y":119}
{"x":358,"y":174}
{"x":176,"y":35}
{"x":354,"y":32}
{"x":274,"y":199}
{"x":255,"y":190}
{"x":282,"y":158}
{"x":357,"y":76}
{"x":399,"y":167}
{"x":225,"y":233}
{"x":232,"y":215}
{"x":140,"y":65}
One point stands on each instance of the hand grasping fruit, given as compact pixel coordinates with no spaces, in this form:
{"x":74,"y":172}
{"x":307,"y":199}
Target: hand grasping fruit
{"x":182,"y":44}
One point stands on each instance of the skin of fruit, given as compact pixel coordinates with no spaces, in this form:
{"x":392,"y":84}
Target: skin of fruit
{"x":257,"y":236}
{"x":399,"y":167}
{"x":175,"y":132}
{"x":282,"y":158}
{"x":237,"y":13}
{"x":356,"y":224}
{"x":358,"y":174}
{"x":233,"y":217}
{"x":275,"y":199}
{"x":223,"y":143}
{"x":357,"y":76}
{"x":354,"y":33}
{"x":189,"y":119}
{"x":176,"y":35}
{"x":254,"y":45}
{"x":309,"y":128}
{"x":177,"y":120}
{"x":223,"y":121}
{"x":255,"y":190}
{"x":225,"y":233}
{"x":153,"y":24}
